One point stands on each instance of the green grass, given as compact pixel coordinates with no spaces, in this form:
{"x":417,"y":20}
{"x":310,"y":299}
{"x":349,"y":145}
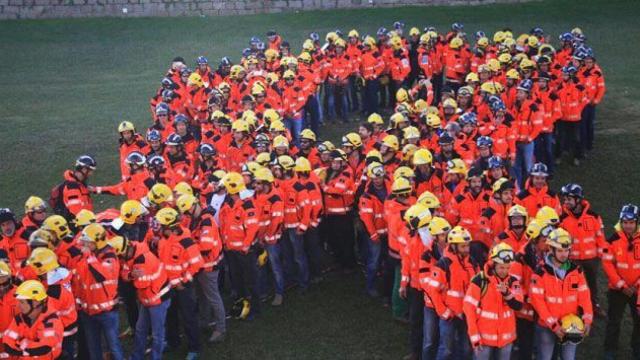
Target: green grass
{"x":66,"y":84}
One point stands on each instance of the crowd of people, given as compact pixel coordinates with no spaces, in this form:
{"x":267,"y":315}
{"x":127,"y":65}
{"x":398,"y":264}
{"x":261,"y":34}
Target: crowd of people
{"x":446,"y":206}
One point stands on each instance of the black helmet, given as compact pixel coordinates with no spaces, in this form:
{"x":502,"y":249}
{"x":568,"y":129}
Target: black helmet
{"x":86,"y":162}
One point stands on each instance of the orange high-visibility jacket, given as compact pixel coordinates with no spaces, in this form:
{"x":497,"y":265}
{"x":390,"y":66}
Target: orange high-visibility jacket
{"x":40,"y":340}
{"x":239,"y":224}
{"x":152,"y":286}
{"x":338,"y":193}
{"x":449,"y":282}
{"x":206,"y":233}
{"x":533,"y":199}
{"x":271,"y":215}
{"x":587,"y":232}
{"x":621,"y":260}
{"x":371,"y":211}
{"x":181,"y":257}
{"x":75,"y":194}
{"x":98,"y":275}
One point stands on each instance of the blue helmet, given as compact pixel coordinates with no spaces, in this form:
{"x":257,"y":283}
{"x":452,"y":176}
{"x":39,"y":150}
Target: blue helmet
{"x":537,"y":31}
{"x":429,"y":28}
{"x":260,"y":46}
{"x":254,"y":40}
{"x":314,"y":36}
{"x":174,"y":140}
{"x":468,"y":118}
{"x":539,"y":169}
{"x":484,"y":141}
{"x":162,"y":108}
{"x":136,"y":158}
{"x":206,"y":149}
{"x":629,"y":212}
{"x":495,"y":162}
{"x":382,"y":31}
{"x":456,"y":26}
{"x":566,"y":37}
{"x":569,"y":69}
{"x":86,"y":162}
{"x":445,"y":138}
{"x":525,"y":85}
{"x":246,"y":52}
{"x":201,"y":60}
{"x":7,"y":215}
{"x":398,"y":25}
{"x":154,"y":135}
{"x":480,"y":34}
{"x":156,"y":161}
{"x":573,"y":190}
{"x":168,"y":83}
{"x":497,"y":105}
{"x":180,"y":118}
{"x":225,"y":61}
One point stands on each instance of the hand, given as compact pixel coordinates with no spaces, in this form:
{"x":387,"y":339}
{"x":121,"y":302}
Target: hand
{"x":180,"y":287}
{"x":91,"y":188}
{"x":403,"y":292}
{"x":476,"y":348}
{"x":559,"y":332}
{"x":587,"y":329}
{"x":503,"y":288}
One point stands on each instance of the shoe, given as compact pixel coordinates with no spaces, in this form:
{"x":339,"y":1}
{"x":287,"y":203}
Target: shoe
{"x":192,"y":356}
{"x":373,"y":293}
{"x":128,"y":332}
{"x":412,"y":356}
{"x":277,"y":300}
{"x":216,"y":337}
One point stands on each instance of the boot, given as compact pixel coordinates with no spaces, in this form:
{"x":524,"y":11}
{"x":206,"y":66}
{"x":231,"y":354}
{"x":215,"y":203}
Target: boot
{"x":277,"y":300}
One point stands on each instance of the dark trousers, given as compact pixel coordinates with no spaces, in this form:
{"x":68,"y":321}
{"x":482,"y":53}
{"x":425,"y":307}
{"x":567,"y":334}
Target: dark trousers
{"x":618,"y":301}
{"x":416,"y":318}
{"x":370,"y":98}
{"x":244,"y":271}
{"x":437,"y":82}
{"x":314,"y":118}
{"x":388,"y":277}
{"x":354,"y":90}
{"x":314,"y":251}
{"x":183,"y":309}
{"x":525,"y":331}
{"x":568,"y":138}
{"x":591,"y":268}
{"x":128,"y":294}
{"x":587,"y":126}
{"x":544,"y":151}
{"x":340,"y":236}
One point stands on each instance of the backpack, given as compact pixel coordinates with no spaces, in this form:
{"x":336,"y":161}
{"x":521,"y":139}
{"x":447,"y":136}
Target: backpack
{"x":56,"y":202}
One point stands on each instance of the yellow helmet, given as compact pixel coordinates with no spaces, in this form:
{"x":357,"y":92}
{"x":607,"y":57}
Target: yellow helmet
{"x":417,"y":216}
{"x":491,"y":87}
{"x":401,"y":186}
{"x":271,"y":116}
{"x":57,"y":225}
{"x":438,"y":226}
{"x":396,"y":42}
{"x":126,"y":126}
{"x":407,"y":152}
{"x":167,"y":216}
{"x":425,"y":39}
{"x":352,"y":139}
{"x":308,"y":134}
{"x":433,"y":121}
{"x":354,"y":33}
{"x":31,"y":290}
{"x":518,"y":210}
{"x":307,"y":45}
{"x":522,"y":39}
{"x":559,"y":238}
{"x":513,"y":74}
{"x":369,"y":41}
{"x":118,"y":244}
{"x":280,"y":141}
{"x":433,"y":110}
{"x":547,"y":215}
{"x":264,"y":174}
{"x":240,"y":125}
{"x":396,"y":119}
{"x":429,"y":199}
{"x":263,"y":158}
{"x":286,"y":162}
{"x":34,"y":204}
{"x":504,"y":58}
{"x":250,"y":168}
{"x":131,"y":210}
{"x":277,"y":126}
{"x":241,"y":309}
{"x":272,"y":78}
{"x":41,"y":237}
{"x":270,"y":55}
{"x":195,"y":79}
{"x":471,"y":77}
{"x":411,"y":132}
{"x":235,"y":71}
{"x":5,"y":270}
{"x":375,"y":170}
{"x":420,"y":106}
{"x":483,"y":42}
{"x":302,"y":165}
{"x":414,"y":31}
{"x":402,"y":95}
{"x":94,"y":233}
{"x":456,"y":166}
{"x":217,"y":114}
{"x":458,"y":235}
{"x":391,"y":141}
{"x":493,"y":65}
{"x":499,"y":37}
{"x":456,"y":43}
{"x":84,"y":217}
{"x":375,"y":118}
{"x":502,"y":253}
{"x":534,"y":228}
{"x":160,"y":193}
{"x":233,"y":183}
{"x":573,"y":328}
{"x":422,"y":157}
{"x":374,"y":154}
{"x":450,"y":102}
{"x":257,"y":89}
{"x":289,"y":75}
{"x":182,"y":188}
{"x":527,"y":64}
{"x":533,"y":41}
{"x":499,"y":185}
{"x":43,"y":260}
{"x":340,"y":43}
{"x":185,"y":202}
{"x":403,"y":171}
{"x":326,"y":147}
{"x":331,"y":36}
{"x":305,"y":57}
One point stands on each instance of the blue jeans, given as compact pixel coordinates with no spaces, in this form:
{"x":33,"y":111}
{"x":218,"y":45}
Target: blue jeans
{"x":524,"y":162}
{"x":353,"y":94}
{"x":275,"y":262}
{"x":373,"y":259}
{"x":587,"y":123}
{"x":313,"y":108}
{"x":300,"y":257}
{"x":295,"y":127}
{"x":430,"y":334}
{"x":490,"y":352}
{"x":454,"y":341}
{"x":370,"y":98}
{"x":545,"y":342}
{"x":337,"y":100}
{"x":183,"y":310}
{"x":152,"y":317}
{"x":106,"y":324}
{"x":544,"y":150}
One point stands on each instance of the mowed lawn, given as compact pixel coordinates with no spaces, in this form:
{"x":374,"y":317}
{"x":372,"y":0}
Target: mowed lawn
{"x":66,"y":84}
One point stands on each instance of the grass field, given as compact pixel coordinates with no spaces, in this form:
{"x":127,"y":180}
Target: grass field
{"x":66,"y":84}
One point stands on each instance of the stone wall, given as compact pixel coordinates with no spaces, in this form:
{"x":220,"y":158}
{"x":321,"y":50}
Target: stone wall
{"x":36,"y":9}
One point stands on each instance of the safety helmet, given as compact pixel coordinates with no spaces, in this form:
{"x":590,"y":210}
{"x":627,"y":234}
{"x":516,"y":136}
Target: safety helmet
{"x":94,"y":233}
{"x":501,"y":185}
{"x":34,"y":204}
{"x":491,"y":87}
{"x":484,"y":141}
{"x":40,"y":238}
{"x":86,"y":162}
{"x":438,"y":226}
{"x":458,"y":235}
{"x":173,"y":140}
{"x":456,"y":43}
{"x":286,"y":162}
{"x":185,"y":202}
{"x":395,"y":42}
{"x":456,"y":166}
{"x":195,"y":79}
{"x":425,"y":39}
{"x":233,"y":183}
{"x":525,"y":85}
{"x":126,"y":126}
{"x":206,"y":149}
{"x":131,"y":210}
{"x":156,"y":161}
{"x":450,"y":102}
{"x":471,"y":77}
{"x":43,"y":260}
{"x":495,"y":162}
{"x":160,"y":193}
{"x":241,"y":309}
{"x":308,"y":134}
{"x":352,"y":139}
{"x":326,"y":147}
{"x":270,"y":55}
{"x":338,"y":154}
{"x":422,"y":157}
{"x":573,"y":190}
{"x":249,"y":168}
{"x":263,"y":158}
{"x":468,"y":118}
{"x":559,"y":238}
{"x":277,"y":126}
{"x":373,"y":155}
{"x":84,"y":217}
{"x":429,"y":199}
{"x":118,"y":244}
{"x":5,"y":270}
{"x":302,"y":165}
{"x":547,"y":215}
{"x":391,"y":141}
{"x":235,"y":71}
{"x":533,"y":229}
{"x":375,"y":170}
{"x":517,"y":210}
{"x":57,"y":225}
{"x":264,"y":174}
{"x":402,"y":95}
{"x":369,"y":41}
{"x":31,"y":290}
{"x":482,"y":42}
{"x":513,"y":74}
{"x":240,"y":126}
{"x":353,"y":33}
{"x":401,"y":185}
{"x":407,"y":152}
{"x":375,"y":118}
{"x":396,"y":119}
{"x":433,"y":121}
{"x":411,"y":132}
{"x":629,"y":212}
{"x":417,"y":216}
{"x":502,"y":253}
{"x":493,"y":65}
{"x":573,"y":328}
{"x":136,"y":158}
{"x":182,"y":188}
{"x":167,"y":216}
{"x":403,"y":171}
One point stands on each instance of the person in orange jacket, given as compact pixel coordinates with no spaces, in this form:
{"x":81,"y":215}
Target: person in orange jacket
{"x":371,"y":67}
{"x":448,"y":284}
{"x":206,"y":234}
{"x":587,"y":232}
{"x":514,"y":231}
{"x":36,"y":332}
{"x":63,"y":241}
{"x":239,"y":220}
{"x":339,"y":70}
{"x":129,"y":141}
{"x":8,"y":303}
{"x":136,"y":185}
{"x":552,"y":112}
{"x":186,"y":132}
{"x":466,"y":207}
{"x":591,"y":75}
{"x":622,"y":267}
{"x":294,"y":100}
{"x":97,"y":299}
{"x":239,"y":150}
{"x":559,"y":289}
{"x":13,"y":239}
{"x":57,"y":282}
{"x":490,"y":305}
{"x":73,"y":194}
{"x":181,"y":257}
{"x":456,"y":63}
{"x":528,"y":120}
{"x":179,"y":161}
{"x":274,"y":40}
{"x":573,"y":99}
{"x":536,"y":192}
{"x":494,"y":218}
